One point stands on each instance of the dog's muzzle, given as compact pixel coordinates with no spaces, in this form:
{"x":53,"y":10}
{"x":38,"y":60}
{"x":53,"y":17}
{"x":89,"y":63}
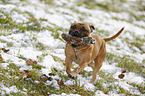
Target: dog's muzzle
{"x":76,"y":33}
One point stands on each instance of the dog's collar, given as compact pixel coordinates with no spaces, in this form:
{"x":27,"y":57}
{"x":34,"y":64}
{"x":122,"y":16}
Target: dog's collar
{"x":92,"y":41}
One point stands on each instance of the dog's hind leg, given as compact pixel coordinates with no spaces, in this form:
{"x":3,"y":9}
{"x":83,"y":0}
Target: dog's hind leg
{"x":95,"y":70}
{"x":98,"y":62}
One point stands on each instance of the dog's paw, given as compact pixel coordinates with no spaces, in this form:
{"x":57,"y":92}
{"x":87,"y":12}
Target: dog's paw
{"x":72,"y":77}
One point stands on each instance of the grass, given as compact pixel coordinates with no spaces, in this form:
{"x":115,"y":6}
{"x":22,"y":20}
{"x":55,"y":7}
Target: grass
{"x":106,"y":83}
{"x":126,"y":63}
{"x":33,"y":82}
{"x":26,"y":80}
{"x":33,"y":24}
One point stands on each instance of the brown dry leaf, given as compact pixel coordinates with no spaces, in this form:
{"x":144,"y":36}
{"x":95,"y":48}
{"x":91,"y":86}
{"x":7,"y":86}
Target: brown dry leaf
{"x":1,"y":59}
{"x":25,"y":71}
{"x":5,"y":50}
{"x":124,"y":71}
{"x":39,"y":85}
{"x":31,"y":62}
{"x":106,"y":92}
{"x":44,"y":78}
{"x":121,"y":76}
{"x":28,"y":75}
{"x":46,"y":93}
{"x":60,"y":83}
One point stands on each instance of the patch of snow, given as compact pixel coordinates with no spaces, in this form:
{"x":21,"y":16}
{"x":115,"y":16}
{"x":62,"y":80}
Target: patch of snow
{"x":7,"y":7}
{"x":82,"y":80}
{"x":143,"y":47}
{"x":89,"y":86}
{"x":121,"y":15}
{"x":19,"y":18}
{"x":49,"y":63}
{"x":30,"y":53}
{"x":130,"y":88}
{"x":64,"y":94}
{"x":70,"y":82}
{"x":133,"y":78}
{"x":88,"y":69}
{"x":140,"y":23}
{"x":36,"y":81}
{"x":110,"y":68}
{"x":9,"y":89}
{"x":100,"y":93}
{"x":48,"y":40}
{"x":4,"y":65}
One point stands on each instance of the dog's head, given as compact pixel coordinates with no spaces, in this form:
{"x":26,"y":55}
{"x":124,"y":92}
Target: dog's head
{"x":80,"y":29}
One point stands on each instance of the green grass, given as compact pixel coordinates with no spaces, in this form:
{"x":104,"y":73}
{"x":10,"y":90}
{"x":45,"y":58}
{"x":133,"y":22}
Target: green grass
{"x":108,"y":80}
{"x":25,"y":80}
{"x":126,"y":63}
{"x":47,"y":1}
{"x":32,"y":25}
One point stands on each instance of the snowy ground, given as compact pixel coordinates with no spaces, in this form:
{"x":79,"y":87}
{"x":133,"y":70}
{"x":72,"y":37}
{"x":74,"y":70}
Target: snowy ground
{"x":61,"y":14}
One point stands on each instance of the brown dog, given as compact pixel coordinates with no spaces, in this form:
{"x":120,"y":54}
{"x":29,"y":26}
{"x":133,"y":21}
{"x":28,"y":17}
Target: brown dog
{"x":92,"y":55}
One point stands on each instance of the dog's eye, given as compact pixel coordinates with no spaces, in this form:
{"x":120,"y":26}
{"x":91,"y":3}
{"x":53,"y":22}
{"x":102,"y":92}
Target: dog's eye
{"x":73,"y":27}
{"x":83,"y":29}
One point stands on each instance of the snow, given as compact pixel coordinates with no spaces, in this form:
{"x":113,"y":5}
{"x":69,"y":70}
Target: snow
{"x":23,"y":43}
{"x":133,"y":78}
{"x":9,"y":90}
{"x":89,"y":86}
{"x":129,"y":88}
{"x":45,"y":36}
{"x":49,"y":63}
{"x":64,"y":94}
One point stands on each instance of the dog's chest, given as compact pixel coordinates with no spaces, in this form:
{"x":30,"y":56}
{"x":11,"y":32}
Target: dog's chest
{"x":79,"y":54}
{"x":76,"y":56}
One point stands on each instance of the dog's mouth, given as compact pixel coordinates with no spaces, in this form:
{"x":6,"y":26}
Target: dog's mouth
{"x":76,"y":33}
{"x":73,"y":45}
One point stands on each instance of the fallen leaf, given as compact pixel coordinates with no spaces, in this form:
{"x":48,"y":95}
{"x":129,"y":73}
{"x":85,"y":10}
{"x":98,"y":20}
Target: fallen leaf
{"x":5,"y":50}
{"x":31,"y":62}
{"x":121,"y":76}
{"x":39,"y":85}
{"x":106,"y":92}
{"x":60,"y":83}
{"x":28,"y":75}
{"x":124,"y":71}
{"x":1,"y":59}
{"x":46,"y":93}
{"x":52,"y":74}
{"x":44,"y":78}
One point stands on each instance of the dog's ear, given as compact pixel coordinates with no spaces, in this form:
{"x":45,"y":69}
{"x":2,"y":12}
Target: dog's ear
{"x":92,"y":28}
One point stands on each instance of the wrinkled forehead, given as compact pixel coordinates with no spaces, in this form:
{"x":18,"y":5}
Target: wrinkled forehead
{"x":80,"y":25}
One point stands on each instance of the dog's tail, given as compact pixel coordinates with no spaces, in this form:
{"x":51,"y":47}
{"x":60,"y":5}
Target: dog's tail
{"x":113,"y":37}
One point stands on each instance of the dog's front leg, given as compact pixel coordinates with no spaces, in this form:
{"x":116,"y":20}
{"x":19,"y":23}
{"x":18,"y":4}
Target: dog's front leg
{"x":68,"y":62}
{"x":79,"y":69}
